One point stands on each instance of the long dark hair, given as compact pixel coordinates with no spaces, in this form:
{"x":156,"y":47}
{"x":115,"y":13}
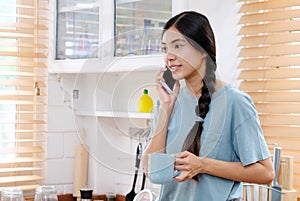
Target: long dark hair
{"x":196,"y":28}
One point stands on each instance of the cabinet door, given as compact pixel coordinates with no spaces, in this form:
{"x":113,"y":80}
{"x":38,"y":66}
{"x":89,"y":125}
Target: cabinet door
{"x":138,"y":26}
{"x":77,"y":33}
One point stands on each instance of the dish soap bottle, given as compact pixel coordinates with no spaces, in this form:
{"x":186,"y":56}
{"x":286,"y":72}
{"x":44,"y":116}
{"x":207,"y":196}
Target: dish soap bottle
{"x":145,"y":103}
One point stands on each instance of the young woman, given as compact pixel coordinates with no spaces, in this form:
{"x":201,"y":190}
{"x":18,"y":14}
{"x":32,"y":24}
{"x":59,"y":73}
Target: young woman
{"x":211,"y":127}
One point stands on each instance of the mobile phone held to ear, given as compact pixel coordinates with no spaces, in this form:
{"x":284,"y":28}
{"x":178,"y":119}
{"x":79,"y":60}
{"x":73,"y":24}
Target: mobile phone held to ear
{"x":169,"y":81}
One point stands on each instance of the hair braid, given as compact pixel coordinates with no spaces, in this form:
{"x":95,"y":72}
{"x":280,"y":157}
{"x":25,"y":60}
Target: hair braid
{"x":192,"y":141}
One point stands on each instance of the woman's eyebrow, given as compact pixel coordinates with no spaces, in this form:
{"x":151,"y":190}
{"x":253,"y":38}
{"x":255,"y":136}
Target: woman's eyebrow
{"x":174,"y":41}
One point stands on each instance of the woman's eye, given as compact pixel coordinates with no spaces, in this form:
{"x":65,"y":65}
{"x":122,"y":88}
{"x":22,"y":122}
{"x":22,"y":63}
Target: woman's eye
{"x":178,"y":46}
{"x":164,"y":49}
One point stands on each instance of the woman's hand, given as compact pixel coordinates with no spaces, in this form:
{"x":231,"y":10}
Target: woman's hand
{"x":188,"y":164}
{"x":165,"y":97}
{"x":260,"y":172}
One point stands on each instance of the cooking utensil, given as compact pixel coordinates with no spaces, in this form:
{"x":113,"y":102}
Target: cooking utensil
{"x":143,"y":182}
{"x":80,"y":166}
{"x":130,"y":196}
{"x":145,"y":195}
{"x":276,"y":188}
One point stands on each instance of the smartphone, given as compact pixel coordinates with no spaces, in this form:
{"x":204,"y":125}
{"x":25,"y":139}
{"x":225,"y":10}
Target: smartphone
{"x":169,"y":81}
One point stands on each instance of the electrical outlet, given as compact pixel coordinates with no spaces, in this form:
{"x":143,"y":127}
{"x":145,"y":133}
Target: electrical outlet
{"x":75,"y":94}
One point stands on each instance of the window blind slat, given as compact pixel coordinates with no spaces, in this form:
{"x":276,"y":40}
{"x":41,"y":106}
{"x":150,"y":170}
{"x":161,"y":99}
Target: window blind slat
{"x":20,"y":74}
{"x":269,"y":62}
{"x":19,"y":160}
{"x":279,"y":119}
{"x":275,"y":96}
{"x":17,"y":5}
{"x":20,"y":169}
{"x":23,"y":83}
{"x":30,"y":64}
{"x":21,"y":112}
{"x":269,"y":51}
{"x":269,"y":16}
{"x":18,"y":97}
{"x":278,"y":130}
{"x":286,"y":142}
{"x":270,"y":85}
{"x":31,"y":149}
{"x":17,"y":131}
{"x":269,"y":39}
{"x":19,"y":35}
{"x":273,"y":73}
{"x":13,"y":179}
{"x":23,"y":45}
{"x":22,"y":121}
{"x":282,"y":108}
{"x":264,"y":5}
{"x":25,"y":141}
{"x":22,"y":16}
{"x":28,"y":5}
{"x":20,"y":102}
{"x":270,"y":28}
{"x":17,"y":28}
{"x":23,"y":54}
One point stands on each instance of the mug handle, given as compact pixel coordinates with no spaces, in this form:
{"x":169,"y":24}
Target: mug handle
{"x":176,"y":173}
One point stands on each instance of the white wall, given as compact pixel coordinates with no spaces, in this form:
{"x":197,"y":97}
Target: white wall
{"x":111,"y":159}
{"x":62,"y":137}
{"x":224,"y":19}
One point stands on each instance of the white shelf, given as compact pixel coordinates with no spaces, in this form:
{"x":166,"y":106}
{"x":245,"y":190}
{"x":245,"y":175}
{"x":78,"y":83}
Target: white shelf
{"x":115,"y":64}
{"x":110,"y":114}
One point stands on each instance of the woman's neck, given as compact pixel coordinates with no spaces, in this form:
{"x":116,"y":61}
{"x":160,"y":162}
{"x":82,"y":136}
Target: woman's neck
{"x":194,"y":87}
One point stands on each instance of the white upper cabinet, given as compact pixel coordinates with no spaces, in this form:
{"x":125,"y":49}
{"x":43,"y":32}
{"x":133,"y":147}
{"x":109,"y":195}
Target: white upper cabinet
{"x":77,"y":29}
{"x":108,"y":36}
{"x":138,"y":26}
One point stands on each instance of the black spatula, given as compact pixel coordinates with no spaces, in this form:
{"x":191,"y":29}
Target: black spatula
{"x":143,"y":181}
{"x":130,"y":196}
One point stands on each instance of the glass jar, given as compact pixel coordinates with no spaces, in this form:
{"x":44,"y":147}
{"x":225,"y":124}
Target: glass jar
{"x":110,"y":196}
{"x":12,"y":194}
{"x":45,"y":193}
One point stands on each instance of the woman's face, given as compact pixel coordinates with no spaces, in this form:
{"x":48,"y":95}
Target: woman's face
{"x":185,"y":61}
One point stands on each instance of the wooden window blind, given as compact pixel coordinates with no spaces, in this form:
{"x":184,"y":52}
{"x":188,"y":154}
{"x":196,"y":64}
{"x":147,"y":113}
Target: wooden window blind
{"x":23,"y":92}
{"x":270,"y":70}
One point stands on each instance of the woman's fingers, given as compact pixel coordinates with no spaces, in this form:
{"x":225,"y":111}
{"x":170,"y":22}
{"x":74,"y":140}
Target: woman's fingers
{"x":183,"y":154}
{"x":182,"y":177}
{"x":180,"y":160}
{"x":159,"y":75}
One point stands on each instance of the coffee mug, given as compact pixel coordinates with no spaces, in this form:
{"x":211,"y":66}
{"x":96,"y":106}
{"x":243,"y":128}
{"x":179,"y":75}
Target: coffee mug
{"x":161,"y":168}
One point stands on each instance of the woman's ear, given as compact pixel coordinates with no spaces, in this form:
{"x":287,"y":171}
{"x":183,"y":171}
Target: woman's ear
{"x":203,"y":54}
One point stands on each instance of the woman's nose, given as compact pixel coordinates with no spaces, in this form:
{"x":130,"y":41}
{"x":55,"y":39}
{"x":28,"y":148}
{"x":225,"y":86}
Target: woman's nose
{"x":170,"y":56}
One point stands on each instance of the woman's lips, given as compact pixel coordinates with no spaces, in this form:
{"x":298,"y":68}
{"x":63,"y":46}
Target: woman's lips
{"x":174,"y":68}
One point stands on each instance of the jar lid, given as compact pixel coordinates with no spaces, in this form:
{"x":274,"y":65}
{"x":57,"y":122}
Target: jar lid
{"x":86,"y":193}
{"x":45,"y":190}
{"x":13,"y":192}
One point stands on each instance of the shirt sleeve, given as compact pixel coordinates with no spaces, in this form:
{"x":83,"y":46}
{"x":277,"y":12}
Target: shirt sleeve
{"x":248,"y":140}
